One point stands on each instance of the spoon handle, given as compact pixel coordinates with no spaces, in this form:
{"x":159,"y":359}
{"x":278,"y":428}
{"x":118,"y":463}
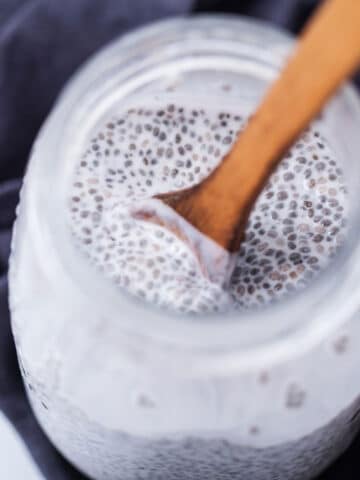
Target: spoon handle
{"x":327,"y":52}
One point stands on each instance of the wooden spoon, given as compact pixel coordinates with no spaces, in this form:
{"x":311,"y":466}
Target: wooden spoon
{"x":327,"y":52}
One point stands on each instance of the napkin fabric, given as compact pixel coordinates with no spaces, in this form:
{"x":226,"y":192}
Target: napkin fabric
{"x":42,"y":42}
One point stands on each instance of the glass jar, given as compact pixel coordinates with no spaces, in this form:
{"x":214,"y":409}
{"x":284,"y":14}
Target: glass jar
{"x":126,"y":391}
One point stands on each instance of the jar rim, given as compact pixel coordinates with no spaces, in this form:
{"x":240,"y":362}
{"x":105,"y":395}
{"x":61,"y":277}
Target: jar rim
{"x":259,"y":336}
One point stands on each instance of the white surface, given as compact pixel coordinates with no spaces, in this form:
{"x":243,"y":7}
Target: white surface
{"x":15,"y":461}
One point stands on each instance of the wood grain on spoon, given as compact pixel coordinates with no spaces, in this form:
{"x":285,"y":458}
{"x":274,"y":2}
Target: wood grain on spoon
{"x":327,"y":52}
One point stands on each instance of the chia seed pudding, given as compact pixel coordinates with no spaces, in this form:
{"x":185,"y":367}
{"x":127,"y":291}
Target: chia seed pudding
{"x":295,"y":229}
{"x":139,"y":366}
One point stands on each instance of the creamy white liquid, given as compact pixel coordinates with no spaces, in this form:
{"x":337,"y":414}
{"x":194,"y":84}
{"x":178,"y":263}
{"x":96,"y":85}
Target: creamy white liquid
{"x":294,"y":230}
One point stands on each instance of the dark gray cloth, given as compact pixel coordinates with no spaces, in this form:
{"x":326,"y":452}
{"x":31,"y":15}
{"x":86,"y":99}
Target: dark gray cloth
{"x":42,"y":42}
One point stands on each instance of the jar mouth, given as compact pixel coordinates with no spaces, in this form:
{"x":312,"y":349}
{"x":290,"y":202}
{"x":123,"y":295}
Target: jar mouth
{"x":222,"y":43}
